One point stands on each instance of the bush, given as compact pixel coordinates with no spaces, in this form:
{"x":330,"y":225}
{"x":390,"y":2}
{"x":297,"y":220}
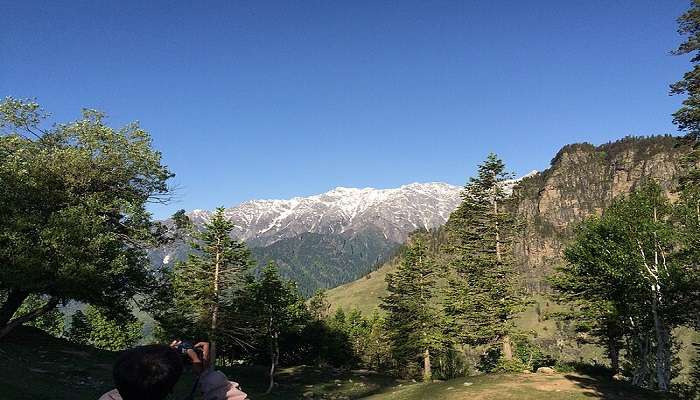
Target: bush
{"x":526,"y":355}
{"x":591,"y":369}
{"x":488,"y":362}
{"x":450,"y":364}
{"x":510,"y":366}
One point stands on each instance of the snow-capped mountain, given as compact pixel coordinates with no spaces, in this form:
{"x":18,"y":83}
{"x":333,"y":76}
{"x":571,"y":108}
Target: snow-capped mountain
{"x":334,"y":237}
{"x":344,"y":211}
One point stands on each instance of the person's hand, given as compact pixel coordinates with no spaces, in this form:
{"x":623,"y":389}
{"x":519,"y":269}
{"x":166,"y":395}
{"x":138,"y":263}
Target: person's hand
{"x":204,"y":346}
{"x":199,"y":365}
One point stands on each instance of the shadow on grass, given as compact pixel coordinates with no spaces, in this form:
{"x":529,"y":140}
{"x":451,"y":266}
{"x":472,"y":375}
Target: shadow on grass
{"x":296,"y":382}
{"x":605,"y":388}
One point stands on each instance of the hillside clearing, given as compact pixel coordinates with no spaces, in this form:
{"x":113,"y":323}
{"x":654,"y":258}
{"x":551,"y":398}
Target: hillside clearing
{"x":521,"y":387}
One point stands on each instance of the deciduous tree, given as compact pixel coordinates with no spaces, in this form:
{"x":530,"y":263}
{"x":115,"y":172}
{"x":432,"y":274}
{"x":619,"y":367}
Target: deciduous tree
{"x":73,"y":219}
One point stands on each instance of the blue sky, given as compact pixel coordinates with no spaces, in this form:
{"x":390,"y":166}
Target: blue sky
{"x":261,"y":99}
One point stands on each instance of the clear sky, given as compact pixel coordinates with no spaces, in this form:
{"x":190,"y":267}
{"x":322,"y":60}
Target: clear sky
{"x":262,"y":99}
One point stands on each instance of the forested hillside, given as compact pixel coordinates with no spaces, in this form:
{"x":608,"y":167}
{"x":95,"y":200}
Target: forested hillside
{"x":326,"y":240}
{"x":582,"y":180}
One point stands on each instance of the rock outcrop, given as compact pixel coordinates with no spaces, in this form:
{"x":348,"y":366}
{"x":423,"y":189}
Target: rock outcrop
{"x":583,"y":180}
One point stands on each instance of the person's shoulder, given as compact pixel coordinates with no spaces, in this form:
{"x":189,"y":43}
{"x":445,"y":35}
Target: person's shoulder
{"x":111,"y":395}
{"x":216,"y":386}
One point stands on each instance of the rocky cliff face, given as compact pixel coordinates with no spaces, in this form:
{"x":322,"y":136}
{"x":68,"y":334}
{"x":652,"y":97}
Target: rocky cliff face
{"x":583,"y":180}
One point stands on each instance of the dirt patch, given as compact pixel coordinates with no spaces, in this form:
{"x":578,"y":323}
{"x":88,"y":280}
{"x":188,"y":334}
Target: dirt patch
{"x":526,"y":382}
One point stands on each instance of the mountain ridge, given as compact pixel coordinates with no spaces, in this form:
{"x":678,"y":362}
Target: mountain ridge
{"x":262,"y":222}
{"x":582,"y":180}
{"x":328,"y":239}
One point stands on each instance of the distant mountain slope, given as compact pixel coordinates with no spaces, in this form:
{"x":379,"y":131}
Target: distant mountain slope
{"x":344,"y":211}
{"x":316,"y":260}
{"x":582,"y":180}
{"x":332,"y":238}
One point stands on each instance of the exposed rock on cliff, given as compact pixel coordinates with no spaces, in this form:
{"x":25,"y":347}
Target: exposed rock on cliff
{"x":583,"y":180}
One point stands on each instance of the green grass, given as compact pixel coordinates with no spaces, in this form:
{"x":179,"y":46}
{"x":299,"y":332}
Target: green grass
{"x":521,"y":387}
{"x":36,"y":366}
{"x":364,"y":293}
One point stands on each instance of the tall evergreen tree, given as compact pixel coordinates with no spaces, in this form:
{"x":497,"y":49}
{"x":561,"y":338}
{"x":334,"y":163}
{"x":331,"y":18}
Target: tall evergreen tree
{"x":687,"y":118}
{"x":319,"y":307}
{"x":278,"y":308}
{"x":212,"y":281}
{"x":414,"y":323}
{"x":482,"y":295}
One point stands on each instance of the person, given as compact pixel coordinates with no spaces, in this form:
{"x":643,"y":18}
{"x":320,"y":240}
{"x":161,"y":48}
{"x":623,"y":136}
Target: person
{"x":150,"y":373}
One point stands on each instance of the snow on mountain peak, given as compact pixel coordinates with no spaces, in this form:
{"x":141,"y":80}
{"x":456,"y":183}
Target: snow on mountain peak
{"x":392,"y":212}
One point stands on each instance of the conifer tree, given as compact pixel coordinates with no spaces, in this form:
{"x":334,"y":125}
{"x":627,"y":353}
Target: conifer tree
{"x":687,"y":118}
{"x":279,"y":308}
{"x":212,"y":280}
{"x":482,"y":295}
{"x":319,"y":307}
{"x":414,"y":322}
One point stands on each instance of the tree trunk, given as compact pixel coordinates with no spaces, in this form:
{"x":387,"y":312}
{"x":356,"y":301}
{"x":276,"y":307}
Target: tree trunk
{"x":427,"y":371}
{"x":30,"y":316}
{"x":663,"y":351}
{"x":274,"y":359}
{"x":14,"y":301}
{"x":663,"y":345}
{"x":498,"y":234}
{"x":641,"y":371}
{"x":507,"y":348}
{"x":614,"y":355}
{"x":215,"y":310}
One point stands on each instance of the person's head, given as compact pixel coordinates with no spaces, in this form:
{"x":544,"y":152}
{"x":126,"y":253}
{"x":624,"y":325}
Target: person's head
{"x":147,"y":372}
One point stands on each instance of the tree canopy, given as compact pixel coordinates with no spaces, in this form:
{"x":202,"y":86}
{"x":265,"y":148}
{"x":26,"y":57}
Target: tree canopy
{"x":73,"y":219}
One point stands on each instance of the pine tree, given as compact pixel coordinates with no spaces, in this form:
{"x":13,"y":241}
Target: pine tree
{"x":279,"y":308}
{"x":319,"y":307}
{"x":414,"y":323}
{"x":687,"y":118}
{"x":212,"y":280}
{"x":482,"y":295}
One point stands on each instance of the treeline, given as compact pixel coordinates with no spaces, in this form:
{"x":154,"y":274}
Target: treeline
{"x":631,"y":277}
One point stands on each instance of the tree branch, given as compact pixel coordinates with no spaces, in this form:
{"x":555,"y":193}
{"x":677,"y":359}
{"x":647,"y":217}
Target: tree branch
{"x":50,"y":305}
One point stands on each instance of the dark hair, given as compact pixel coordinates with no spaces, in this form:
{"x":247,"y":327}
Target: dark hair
{"x":147,"y":372}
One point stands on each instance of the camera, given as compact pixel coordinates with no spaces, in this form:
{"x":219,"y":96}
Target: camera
{"x":182,"y":349}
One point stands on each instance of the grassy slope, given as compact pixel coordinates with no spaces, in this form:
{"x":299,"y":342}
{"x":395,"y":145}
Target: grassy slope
{"x":521,"y":387}
{"x":36,"y":366}
{"x":39,"y":367}
{"x":364,"y":294}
